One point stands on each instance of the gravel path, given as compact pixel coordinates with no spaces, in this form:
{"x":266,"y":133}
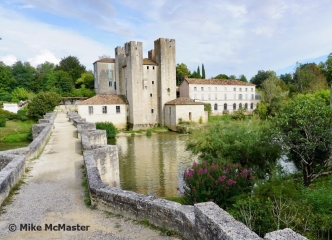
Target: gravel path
{"x":53,"y":195}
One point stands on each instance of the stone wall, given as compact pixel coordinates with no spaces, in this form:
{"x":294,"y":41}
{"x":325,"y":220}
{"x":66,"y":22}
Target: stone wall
{"x":13,"y":162}
{"x":201,"y":221}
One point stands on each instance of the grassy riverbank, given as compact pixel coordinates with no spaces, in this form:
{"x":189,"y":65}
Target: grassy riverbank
{"x":16,"y":134}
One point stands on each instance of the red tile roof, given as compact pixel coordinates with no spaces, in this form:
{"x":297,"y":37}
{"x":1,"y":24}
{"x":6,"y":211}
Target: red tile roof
{"x":105,"y":99}
{"x":217,"y":82}
{"x":183,"y":101}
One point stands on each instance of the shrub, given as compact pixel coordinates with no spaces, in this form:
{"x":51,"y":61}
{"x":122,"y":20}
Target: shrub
{"x":148,"y":133}
{"x":5,"y":96}
{"x":44,"y":102}
{"x":2,"y":122}
{"x":207,"y":107}
{"x":19,"y":94}
{"x":109,"y":127}
{"x":7,"y":115}
{"x":22,"y":114}
{"x":219,"y":183}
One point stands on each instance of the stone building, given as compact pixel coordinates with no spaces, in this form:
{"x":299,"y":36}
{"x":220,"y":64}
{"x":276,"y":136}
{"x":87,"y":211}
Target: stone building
{"x":147,"y":83}
{"x":225,"y":96}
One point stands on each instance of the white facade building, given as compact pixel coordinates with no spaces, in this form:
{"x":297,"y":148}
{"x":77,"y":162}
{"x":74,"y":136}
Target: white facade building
{"x":225,"y":96}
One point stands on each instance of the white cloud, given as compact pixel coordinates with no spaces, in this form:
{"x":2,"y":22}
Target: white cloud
{"x":45,"y":56}
{"x":8,"y":59}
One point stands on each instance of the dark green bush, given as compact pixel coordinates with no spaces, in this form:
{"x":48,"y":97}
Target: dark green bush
{"x":148,"y":133}
{"x":109,"y":127}
{"x":2,"y":122}
{"x":22,"y":114}
{"x":7,"y":115}
{"x":43,"y":103}
{"x":5,"y":96}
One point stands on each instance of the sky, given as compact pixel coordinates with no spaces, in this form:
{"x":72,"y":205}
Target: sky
{"x":228,"y":36}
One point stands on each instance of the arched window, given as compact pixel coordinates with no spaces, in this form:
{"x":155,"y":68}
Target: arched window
{"x":251,"y":106}
{"x":215,"y":106}
{"x":246,"y":106}
{"x":240,"y":105}
{"x":234,"y":106}
{"x":225,"y":106}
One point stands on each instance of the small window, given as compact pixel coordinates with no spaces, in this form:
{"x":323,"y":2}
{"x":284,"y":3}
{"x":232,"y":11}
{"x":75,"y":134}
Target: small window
{"x":150,"y":94}
{"x":225,"y":106}
{"x":216,"y":96}
{"x":251,"y":106}
{"x":90,"y":109}
{"x":240,"y":105}
{"x":246,"y":89}
{"x":234,"y":89}
{"x":246,"y":96}
{"x":240,"y":89}
{"x":110,"y":84}
{"x":215,"y":106}
{"x":252,"y":89}
{"x":246,"y":106}
{"x":209,"y":96}
{"x":195,"y":88}
{"x":147,"y":67}
{"x":151,"y":110}
{"x":104,"y":109}
{"x":114,"y":85}
{"x":252,"y":97}
{"x":202,"y":88}
{"x":225,"y":96}
{"x":153,"y":67}
{"x":117,"y":109}
{"x":234,"y":106}
{"x":240,"y":96}
{"x":152,"y":82}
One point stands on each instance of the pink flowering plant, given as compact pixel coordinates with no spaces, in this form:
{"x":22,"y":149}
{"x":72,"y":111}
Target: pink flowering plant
{"x":219,"y":183}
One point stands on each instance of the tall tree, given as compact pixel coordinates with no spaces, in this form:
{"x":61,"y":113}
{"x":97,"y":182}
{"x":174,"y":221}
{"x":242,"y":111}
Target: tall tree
{"x":73,"y":66}
{"x":86,"y":80}
{"x":304,"y":129}
{"x":181,"y":71}
{"x":198,"y":73}
{"x":203,"y":71}
{"x":232,"y":77}
{"x":24,"y":74}
{"x":327,"y":68}
{"x":309,"y":78}
{"x":7,"y":81}
{"x":287,"y":78}
{"x":243,"y":78}
{"x":45,"y":71}
{"x":260,"y":77}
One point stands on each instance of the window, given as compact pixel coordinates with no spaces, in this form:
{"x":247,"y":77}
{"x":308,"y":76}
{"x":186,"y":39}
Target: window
{"x":225,"y":106}
{"x":104,"y":109}
{"x":240,"y":89}
{"x":225,"y":96}
{"x":234,"y":89}
{"x":150,"y":94}
{"x":234,"y":106}
{"x":147,"y":67}
{"x":114,"y":85}
{"x":202,"y":88}
{"x":152,"y":82}
{"x":246,"y":96}
{"x":117,"y":109}
{"x":90,"y":109}
{"x":252,"y":89}
{"x":216,"y":96}
{"x":209,"y":96}
{"x":110,"y":75}
{"x":151,"y":110}
{"x":215,"y":106}
{"x":153,"y":67}
{"x":240,"y":105}
{"x":246,"y":106}
{"x":202,"y":96}
{"x":110,"y":84}
{"x":252,"y":97}
{"x":251,"y":106}
{"x":195,"y":88}
{"x":246,"y":89}
{"x":240,"y":96}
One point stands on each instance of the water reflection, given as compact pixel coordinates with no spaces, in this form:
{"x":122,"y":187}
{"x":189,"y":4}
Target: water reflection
{"x":153,"y":165}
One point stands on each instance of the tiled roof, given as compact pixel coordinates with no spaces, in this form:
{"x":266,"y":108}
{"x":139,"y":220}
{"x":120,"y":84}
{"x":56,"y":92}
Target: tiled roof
{"x":217,"y":82}
{"x":148,"y":61}
{"x":183,"y":101}
{"x":105,"y":99}
{"x":106,"y":60}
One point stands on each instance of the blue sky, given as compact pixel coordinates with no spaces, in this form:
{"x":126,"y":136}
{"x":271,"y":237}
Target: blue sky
{"x":228,"y":36}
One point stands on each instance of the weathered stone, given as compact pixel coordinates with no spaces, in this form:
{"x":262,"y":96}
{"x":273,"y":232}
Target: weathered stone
{"x":284,"y":234}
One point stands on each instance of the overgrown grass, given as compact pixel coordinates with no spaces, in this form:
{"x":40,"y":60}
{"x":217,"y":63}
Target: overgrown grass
{"x":16,"y":131}
{"x":153,"y":130}
{"x":87,"y":199}
{"x":178,"y":199}
{"x":164,"y":231}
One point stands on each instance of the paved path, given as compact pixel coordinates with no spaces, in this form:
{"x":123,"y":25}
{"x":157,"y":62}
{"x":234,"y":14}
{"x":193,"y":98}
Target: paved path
{"x":53,"y":195}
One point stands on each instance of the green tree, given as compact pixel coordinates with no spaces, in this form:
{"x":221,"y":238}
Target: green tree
{"x":7,"y":81}
{"x":221,"y":76}
{"x":181,"y":72}
{"x":25,"y":75}
{"x":327,"y":68}
{"x":233,"y":77}
{"x":273,"y":92}
{"x":303,"y":127}
{"x":44,"y":72}
{"x":19,"y":94}
{"x":73,"y":66}
{"x":203,"y":71}
{"x":43,"y":102}
{"x":287,"y":78}
{"x":198,"y":73}
{"x":261,"y":76}
{"x":243,"y":78}
{"x":309,"y":78}
{"x":86,"y":80}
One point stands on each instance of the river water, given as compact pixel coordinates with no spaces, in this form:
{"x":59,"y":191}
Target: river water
{"x":153,"y":165}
